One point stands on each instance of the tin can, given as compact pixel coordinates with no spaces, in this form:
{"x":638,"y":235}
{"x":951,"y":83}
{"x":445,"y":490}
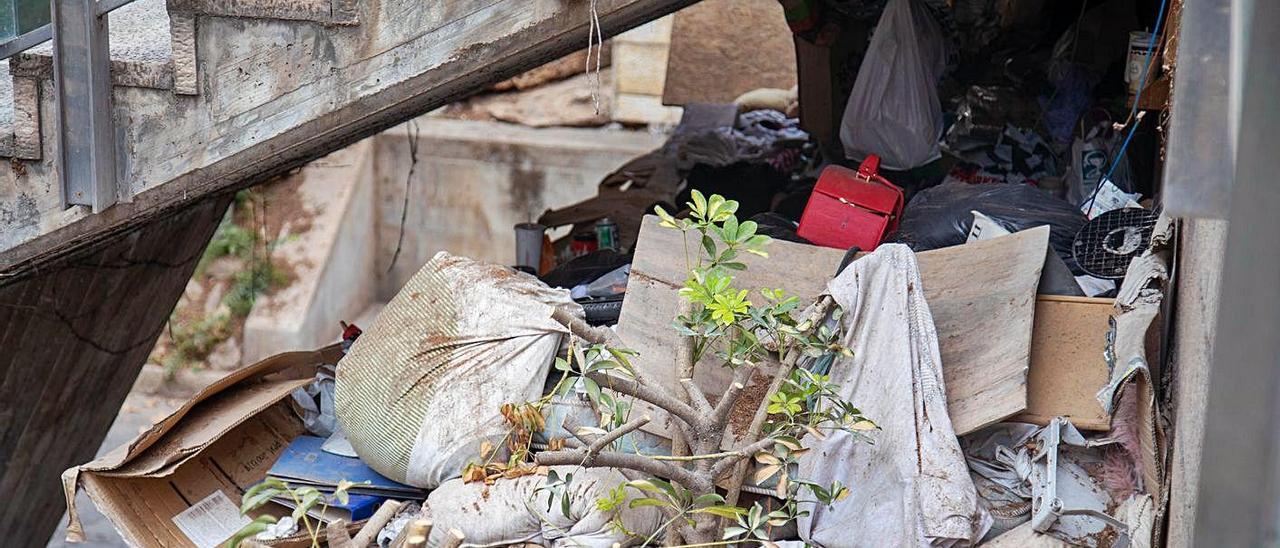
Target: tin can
{"x":582,"y":244}
{"x":607,"y":234}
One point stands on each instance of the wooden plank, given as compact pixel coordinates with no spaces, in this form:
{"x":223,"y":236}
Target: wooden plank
{"x":721,"y":49}
{"x":81,"y":348}
{"x":1067,"y":364}
{"x":981,"y":295}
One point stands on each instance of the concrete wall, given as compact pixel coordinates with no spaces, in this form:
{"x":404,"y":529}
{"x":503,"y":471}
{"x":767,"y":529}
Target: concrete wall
{"x":476,"y":180}
{"x":1202,"y":243}
{"x":473,"y":182}
{"x":332,"y":260}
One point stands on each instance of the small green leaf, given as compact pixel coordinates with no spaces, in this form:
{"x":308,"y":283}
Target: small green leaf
{"x":709,"y":498}
{"x":646,"y":501}
{"x":709,"y":245}
{"x":723,"y":511}
{"x":252,"y":528}
{"x":699,"y":204}
{"x":593,"y":389}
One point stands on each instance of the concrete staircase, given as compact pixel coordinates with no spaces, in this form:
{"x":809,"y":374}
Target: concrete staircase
{"x":215,"y":95}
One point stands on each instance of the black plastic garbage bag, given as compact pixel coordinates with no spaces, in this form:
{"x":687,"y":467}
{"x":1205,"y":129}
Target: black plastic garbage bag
{"x":941,"y":216}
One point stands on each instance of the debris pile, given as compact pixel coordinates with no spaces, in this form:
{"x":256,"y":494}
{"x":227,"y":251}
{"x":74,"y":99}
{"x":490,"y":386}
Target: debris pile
{"x":937,"y":337}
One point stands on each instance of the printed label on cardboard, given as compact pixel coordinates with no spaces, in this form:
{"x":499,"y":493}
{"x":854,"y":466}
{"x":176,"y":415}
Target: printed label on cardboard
{"x":211,"y":521}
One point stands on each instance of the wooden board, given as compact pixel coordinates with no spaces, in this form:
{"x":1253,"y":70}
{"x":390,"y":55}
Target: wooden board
{"x":981,"y":295}
{"x":1067,"y":364}
{"x":721,"y":49}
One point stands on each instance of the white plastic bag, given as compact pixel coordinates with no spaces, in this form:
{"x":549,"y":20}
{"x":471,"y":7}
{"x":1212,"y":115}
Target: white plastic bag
{"x":894,"y":110}
{"x":1091,"y":158}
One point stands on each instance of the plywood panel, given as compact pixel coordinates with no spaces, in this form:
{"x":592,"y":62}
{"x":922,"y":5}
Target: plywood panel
{"x":1067,"y":364}
{"x":721,"y":49}
{"x":981,"y":295}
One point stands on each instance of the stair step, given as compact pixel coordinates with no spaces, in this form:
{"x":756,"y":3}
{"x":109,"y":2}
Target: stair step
{"x":141,"y":48}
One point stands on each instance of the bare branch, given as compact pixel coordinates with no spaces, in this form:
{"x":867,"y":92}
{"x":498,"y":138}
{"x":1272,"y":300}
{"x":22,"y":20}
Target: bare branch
{"x":614,"y":459}
{"x":613,"y":435}
{"x":647,"y":393}
{"x":746,"y":452}
{"x":696,"y":397}
{"x":581,"y":329}
{"x":741,"y":378}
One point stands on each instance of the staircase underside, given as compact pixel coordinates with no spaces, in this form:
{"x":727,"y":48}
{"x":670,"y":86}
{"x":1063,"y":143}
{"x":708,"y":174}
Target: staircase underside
{"x":270,"y":95}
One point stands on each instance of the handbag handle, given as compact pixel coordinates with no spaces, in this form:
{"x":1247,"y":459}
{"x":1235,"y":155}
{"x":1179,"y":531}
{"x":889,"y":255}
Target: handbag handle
{"x":870,"y":167}
{"x":869,"y":170}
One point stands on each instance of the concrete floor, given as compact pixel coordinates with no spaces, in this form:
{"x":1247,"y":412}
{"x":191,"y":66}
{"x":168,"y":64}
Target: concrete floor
{"x":138,"y":413}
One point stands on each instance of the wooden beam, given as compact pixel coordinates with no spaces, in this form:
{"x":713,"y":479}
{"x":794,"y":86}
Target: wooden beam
{"x":74,"y":337}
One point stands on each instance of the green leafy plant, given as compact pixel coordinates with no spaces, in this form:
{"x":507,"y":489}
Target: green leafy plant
{"x":741,"y":330}
{"x":304,"y":499}
{"x":192,"y":339}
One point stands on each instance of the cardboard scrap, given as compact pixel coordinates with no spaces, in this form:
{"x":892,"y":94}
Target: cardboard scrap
{"x":223,"y":440}
{"x":982,"y":296}
{"x":721,"y":49}
{"x":1068,"y":365}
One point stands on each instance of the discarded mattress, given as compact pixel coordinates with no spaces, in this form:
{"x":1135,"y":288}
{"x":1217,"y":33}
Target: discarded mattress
{"x":420,"y":389}
{"x":911,"y":486}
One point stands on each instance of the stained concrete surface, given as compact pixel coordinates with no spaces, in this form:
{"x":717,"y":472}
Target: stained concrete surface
{"x":138,"y":413}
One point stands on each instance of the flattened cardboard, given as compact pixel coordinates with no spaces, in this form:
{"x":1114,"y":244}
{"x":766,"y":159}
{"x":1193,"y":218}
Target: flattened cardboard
{"x":223,"y":439}
{"x":982,"y":296}
{"x":1067,"y":363}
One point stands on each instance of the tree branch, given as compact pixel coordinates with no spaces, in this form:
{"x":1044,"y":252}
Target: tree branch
{"x":746,"y":452}
{"x":581,"y":329}
{"x":654,"y":396}
{"x":696,"y":397}
{"x":614,"y":459}
{"x":613,"y":435}
{"x":741,"y":378}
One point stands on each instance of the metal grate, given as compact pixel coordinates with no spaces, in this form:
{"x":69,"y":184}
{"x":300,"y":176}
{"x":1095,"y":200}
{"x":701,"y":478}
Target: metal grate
{"x":1104,"y":246}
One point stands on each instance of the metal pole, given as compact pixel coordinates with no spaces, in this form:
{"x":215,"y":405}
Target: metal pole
{"x":82,"y":80}
{"x":1240,"y":462}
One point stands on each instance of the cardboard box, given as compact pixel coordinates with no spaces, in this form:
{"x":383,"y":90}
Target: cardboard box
{"x":180,"y":482}
{"x":1067,"y":364}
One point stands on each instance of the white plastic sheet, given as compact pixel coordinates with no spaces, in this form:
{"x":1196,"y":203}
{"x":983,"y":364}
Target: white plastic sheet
{"x":911,"y":487}
{"x":894,"y":110}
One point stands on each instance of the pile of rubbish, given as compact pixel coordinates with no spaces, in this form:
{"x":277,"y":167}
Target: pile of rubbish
{"x":663,"y":379}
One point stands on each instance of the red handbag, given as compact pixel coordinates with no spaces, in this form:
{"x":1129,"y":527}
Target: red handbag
{"x":852,"y":208}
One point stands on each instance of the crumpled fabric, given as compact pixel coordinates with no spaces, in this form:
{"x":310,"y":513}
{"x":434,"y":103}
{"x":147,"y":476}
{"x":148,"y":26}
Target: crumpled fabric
{"x":757,"y":136}
{"x":1009,"y":479}
{"x":911,"y":487}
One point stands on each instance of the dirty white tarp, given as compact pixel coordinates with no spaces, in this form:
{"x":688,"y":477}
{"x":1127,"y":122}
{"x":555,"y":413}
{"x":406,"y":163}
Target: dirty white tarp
{"x":421,"y":389}
{"x":910,"y":487}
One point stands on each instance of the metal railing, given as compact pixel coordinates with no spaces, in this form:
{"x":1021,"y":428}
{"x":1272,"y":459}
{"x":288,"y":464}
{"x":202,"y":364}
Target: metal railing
{"x":82,"y":81}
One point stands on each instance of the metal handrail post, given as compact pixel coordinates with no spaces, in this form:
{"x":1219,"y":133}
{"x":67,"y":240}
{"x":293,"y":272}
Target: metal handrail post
{"x":86,"y":158}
